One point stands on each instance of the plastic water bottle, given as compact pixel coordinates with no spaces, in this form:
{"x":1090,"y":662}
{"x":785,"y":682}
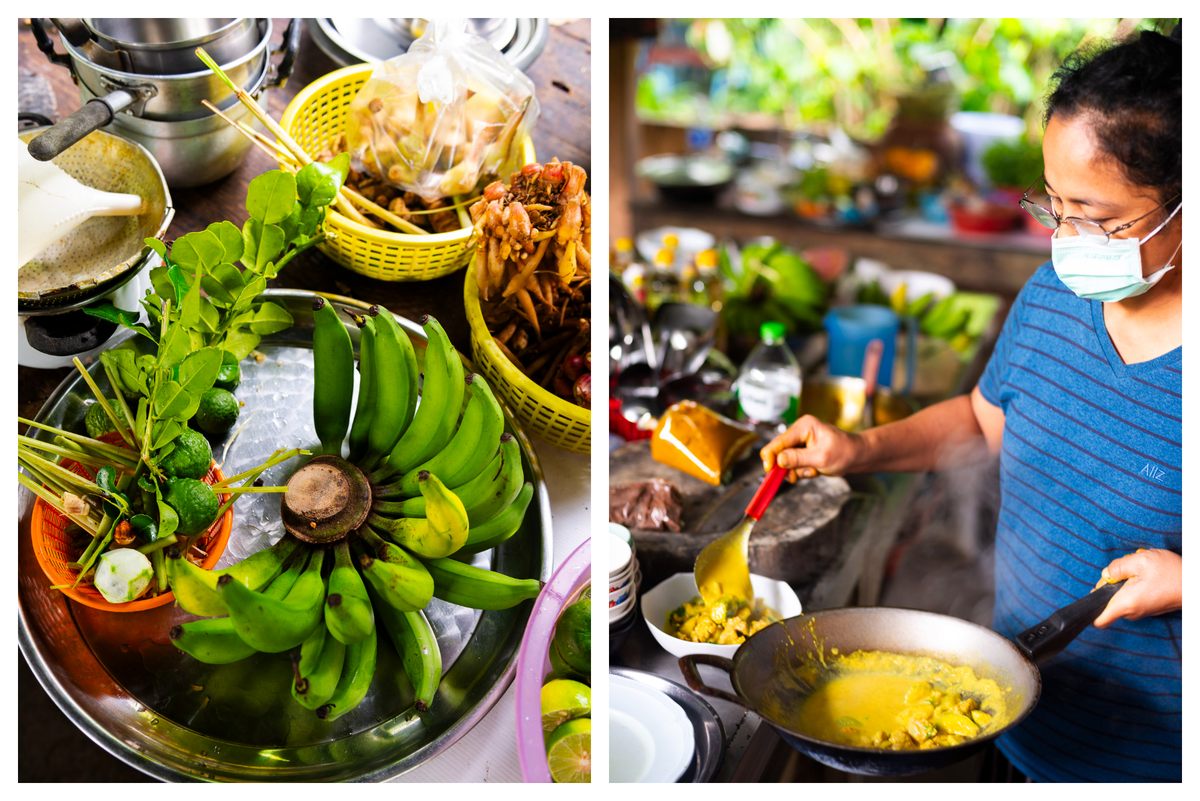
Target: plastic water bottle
{"x":768,"y":386}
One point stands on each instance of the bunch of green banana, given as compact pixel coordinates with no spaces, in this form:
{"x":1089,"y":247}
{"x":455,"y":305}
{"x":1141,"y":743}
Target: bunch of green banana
{"x":946,"y":319}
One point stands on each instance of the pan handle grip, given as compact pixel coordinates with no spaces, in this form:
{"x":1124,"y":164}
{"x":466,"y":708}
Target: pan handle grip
{"x":687,"y":666}
{"x":96,"y":113}
{"x":1044,"y":640}
{"x":46,"y":44}
{"x":766,"y":493}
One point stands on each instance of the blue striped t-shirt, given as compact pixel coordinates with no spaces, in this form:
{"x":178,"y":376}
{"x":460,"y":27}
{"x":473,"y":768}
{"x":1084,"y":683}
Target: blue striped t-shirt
{"x":1090,"y":469}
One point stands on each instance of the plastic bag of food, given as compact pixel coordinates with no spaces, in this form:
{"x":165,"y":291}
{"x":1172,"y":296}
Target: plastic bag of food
{"x":700,"y":442}
{"x":653,"y":505}
{"x":445,"y":117}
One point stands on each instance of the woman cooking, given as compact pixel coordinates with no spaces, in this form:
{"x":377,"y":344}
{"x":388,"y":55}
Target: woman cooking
{"x":1082,"y":401}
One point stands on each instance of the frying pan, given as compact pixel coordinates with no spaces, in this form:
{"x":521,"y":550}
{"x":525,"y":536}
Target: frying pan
{"x":763,"y":672}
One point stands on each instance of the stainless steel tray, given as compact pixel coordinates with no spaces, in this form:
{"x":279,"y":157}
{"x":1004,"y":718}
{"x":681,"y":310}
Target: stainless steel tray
{"x":354,"y":40}
{"x":710,"y":734}
{"x":118,"y":678}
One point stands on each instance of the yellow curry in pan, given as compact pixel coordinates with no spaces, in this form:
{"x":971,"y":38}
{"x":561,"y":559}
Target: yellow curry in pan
{"x":897,"y":702}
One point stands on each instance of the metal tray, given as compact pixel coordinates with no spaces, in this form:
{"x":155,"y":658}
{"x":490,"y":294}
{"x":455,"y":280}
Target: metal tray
{"x":118,"y":678}
{"x":710,"y":734}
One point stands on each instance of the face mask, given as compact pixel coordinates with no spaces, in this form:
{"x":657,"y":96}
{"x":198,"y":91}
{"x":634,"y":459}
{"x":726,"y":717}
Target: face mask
{"x":1096,"y":269}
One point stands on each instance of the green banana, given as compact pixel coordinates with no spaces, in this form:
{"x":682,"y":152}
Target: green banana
{"x":437,"y":415}
{"x":196,"y":588}
{"x":318,"y":670}
{"x":401,"y":579}
{"x":440,"y":533}
{"x":477,"y":588}
{"x":395,"y":387}
{"x":270,"y":624}
{"x":333,"y":377}
{"x":348,"y":613}
{"x":501,"y":527}
{"x":415,"y":507}
{"x":462,"y":459}
{"x":358,"y":669}
{"x":482,"y":497}
{"x":365,"y":407}
{"x":938,"y":315}
{"x":417,"y":645}
{"x":214,"y":640}
{"x":920,"y":305}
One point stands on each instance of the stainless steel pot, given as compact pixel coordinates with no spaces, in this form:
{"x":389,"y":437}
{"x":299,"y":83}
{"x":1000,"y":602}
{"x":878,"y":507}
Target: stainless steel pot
{"x":764,"y":670}
{"x":163,"y":112}
{"x":167,"y":46}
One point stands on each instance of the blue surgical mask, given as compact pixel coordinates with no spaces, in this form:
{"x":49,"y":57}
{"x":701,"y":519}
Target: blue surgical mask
{"x":1107,"y":269}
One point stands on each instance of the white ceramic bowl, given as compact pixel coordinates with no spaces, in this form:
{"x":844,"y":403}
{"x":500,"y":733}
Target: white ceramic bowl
{"x":650,"y":736}
{"x":917,"y":284}
{"x":620,"y":556}
{"x":681,"y":587}
{"x":623,"y":609}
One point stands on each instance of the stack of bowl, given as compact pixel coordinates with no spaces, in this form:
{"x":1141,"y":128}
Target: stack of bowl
{"x":624,"y":575}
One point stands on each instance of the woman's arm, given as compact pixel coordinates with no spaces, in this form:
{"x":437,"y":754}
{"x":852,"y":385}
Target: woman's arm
{"x":952,"y":433}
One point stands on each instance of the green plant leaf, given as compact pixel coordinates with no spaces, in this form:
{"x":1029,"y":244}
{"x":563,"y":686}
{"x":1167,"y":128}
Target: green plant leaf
{"x":255,"y":287}
{"x":230,"y":237}
{"x":199,"y":370}
{"x":106,"y":478}
{"x":172,"y":400}
{"x":174,"y":347}
{"x":168,"y":520}
{"x":270,"y":318}
{"x":157,"y":245}
{"x":264,"y":243}
{"x":210,"y":318}
{"x":317,"y":183}
{"x":241,"y":342}
{"x":199,"y":249}
{"x":164,"y":434}
{"x":131,"y":379}
{"x":179,"y":280}
{"x":271,"y":196}
{"x":164,"y":287}
{"x":144,"y":527}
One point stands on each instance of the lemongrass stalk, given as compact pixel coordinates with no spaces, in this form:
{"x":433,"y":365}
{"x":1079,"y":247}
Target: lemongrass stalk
{"x":65,"y":476}
{"x":112,"y":382}
{"x":56,"y":502}
{"x":88,"y":566}
{"x":275,"y":458}
{"x":90,"y":443}
{"x":244,"y":488}
{"x":461,"y":210}
{"x":121,"y":425}
{"x":83,"y":458}
{"x":160,"y":569}
{"x":159,"y":544}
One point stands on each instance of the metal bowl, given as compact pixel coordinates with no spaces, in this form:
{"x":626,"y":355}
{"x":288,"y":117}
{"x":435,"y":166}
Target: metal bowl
{"x":167,"y":46}
{"x":354,"y":41}
{"x":839,"y":400}
{"x":122,"y":683}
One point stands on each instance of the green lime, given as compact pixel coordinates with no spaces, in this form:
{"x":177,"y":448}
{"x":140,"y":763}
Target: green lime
{"x":218,"y":411}
{"x":194,"y":502}
{"x":191,"y":457}
{"x":230,"y":374}
{"x":96,"y":421}
{"x":573,"y":636}
{"x":569,"y":752}
{"x":563,"y":700}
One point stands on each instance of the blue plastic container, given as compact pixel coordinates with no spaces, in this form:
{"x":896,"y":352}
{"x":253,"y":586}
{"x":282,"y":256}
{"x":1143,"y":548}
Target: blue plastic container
{"x":851,"y":328}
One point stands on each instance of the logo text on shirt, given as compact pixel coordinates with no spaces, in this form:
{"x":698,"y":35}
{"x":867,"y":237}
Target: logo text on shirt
{"x":1153,"y":472}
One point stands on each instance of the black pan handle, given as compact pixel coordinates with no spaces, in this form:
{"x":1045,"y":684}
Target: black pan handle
{"x":46,"y":44}
{"x":289,"y":46}
{"x":691,"y":674}
{"x":95,"y":114}
{"x":1053,"y":634}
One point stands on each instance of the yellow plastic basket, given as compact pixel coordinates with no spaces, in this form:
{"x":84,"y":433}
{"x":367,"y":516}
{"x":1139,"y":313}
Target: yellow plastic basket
{"x":558,"y":421}
{"x":315,"y":118}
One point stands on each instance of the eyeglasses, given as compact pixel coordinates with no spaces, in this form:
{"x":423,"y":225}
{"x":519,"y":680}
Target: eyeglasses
{"x":1083,"y":227}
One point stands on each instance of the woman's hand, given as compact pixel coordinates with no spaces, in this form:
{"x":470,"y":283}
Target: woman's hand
{"x":810,"y":447}
{"x":1153,"y":585}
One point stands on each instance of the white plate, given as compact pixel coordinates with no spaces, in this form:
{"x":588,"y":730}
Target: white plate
{"x":691,"y":242}
{"x":650,"y":737}
{"x":619,"y":555}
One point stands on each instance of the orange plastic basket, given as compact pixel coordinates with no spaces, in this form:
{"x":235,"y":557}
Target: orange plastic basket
{"x":51,"y":545}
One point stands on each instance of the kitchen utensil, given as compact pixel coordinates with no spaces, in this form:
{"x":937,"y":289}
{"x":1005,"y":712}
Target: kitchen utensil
{"x":851,"y":329}
{"x":50,"y":204}
{"x":122,"y":683}
{"x":761,"y":673}
{"x":707,"y":732}
{"x":349,"y":40}
{"x":650,"y":737}
{"x":690,"y":241}
{"x":686,"y":333}
{"x":722,"y":567}
{"x":688,"y":179}
{"x":164,"y":112}
{"x":533,"y":663}
{"x":870,"y":375}
{"x":161,"y":46}
{"x":680,"y":588}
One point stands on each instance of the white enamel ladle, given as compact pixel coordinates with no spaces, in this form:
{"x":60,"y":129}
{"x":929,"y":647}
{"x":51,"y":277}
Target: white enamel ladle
{"x":51,"y":204}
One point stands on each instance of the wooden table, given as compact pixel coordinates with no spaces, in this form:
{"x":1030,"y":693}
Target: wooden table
{"x":561,"y":75}
{"x":52,"y":748}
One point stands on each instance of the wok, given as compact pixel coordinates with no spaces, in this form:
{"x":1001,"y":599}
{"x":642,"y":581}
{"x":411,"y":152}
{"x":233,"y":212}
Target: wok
{"x":764,"y":670}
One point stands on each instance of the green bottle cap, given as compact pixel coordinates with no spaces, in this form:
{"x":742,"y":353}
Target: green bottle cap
{"x":772,"y":332}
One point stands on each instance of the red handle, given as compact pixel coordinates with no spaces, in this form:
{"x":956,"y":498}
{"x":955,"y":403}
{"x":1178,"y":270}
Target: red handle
{"x":766,"y":492}
{"x":870,"y":370}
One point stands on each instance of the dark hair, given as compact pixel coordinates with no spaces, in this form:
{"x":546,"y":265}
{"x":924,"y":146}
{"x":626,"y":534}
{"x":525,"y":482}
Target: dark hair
{"x":1131,"y":93}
